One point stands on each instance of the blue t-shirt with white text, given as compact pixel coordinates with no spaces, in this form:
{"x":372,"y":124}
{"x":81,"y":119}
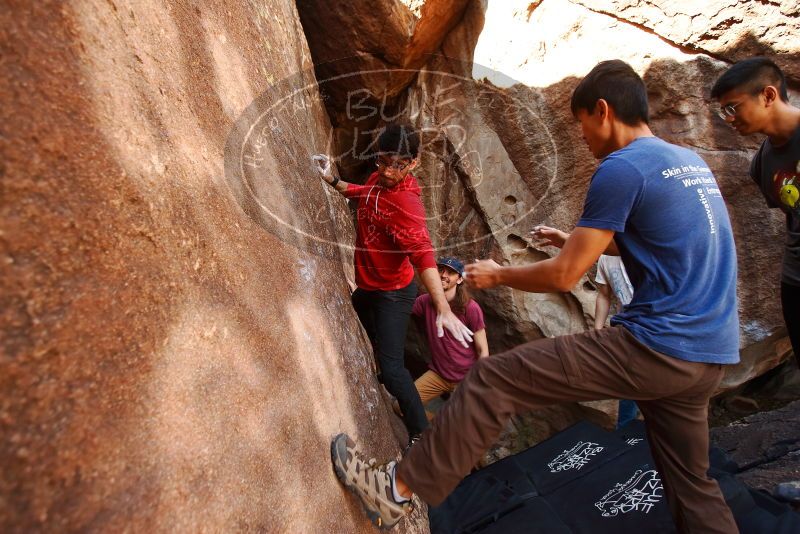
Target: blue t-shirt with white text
{"x":674,"y":237}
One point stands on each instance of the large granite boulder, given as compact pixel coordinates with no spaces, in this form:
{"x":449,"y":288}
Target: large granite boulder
{"x":174,"y":354}
{"x":177,"y":343}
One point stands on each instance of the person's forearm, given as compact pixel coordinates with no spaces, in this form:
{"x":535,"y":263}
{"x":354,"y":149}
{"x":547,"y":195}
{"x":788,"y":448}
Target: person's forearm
{"x":481,"y":344}
{"x":559,"y":274}
{"x":601,"y":311}
{"x":546,"y":276}
{"x":341,"y":186}
{"x":432,"y":282}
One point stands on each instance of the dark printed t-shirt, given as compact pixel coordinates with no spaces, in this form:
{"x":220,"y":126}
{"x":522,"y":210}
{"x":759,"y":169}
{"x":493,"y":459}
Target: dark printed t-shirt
{"x":776,"y":171}
{"x":675,"y":239}
{"x":449,"y":358}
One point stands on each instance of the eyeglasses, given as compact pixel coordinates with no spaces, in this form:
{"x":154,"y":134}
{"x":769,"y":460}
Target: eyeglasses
{"x":728,"y":111}
{"x":395,"y":165}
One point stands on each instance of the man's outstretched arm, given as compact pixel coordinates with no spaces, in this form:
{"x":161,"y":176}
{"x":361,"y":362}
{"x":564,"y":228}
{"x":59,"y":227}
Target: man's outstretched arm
{"x":546,"y":235}
{"x":555,"y":275}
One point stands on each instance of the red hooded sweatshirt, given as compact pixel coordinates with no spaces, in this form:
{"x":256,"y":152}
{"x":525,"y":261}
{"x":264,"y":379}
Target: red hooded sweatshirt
{"x":390,"y":231}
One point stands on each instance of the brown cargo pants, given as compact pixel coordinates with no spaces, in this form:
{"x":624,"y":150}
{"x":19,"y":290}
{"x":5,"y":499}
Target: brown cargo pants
{"x":599,"y":364}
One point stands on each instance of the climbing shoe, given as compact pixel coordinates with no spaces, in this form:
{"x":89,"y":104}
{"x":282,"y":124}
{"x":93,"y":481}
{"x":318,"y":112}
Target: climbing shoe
{"x":371,"y":482}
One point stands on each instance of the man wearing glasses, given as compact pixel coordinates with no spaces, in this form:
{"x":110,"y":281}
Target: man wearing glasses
{"x":391,"y":240}
{"x":753,"y":99}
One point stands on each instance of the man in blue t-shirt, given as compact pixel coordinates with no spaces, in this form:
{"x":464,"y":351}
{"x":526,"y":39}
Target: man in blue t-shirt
{"x":657,"y":206}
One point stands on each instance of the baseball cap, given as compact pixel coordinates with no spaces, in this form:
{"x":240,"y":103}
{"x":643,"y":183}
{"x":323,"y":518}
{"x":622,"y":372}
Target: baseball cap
{"x":452,"y":263}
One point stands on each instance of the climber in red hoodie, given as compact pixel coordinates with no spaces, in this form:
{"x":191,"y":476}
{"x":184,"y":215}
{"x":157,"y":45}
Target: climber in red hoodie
{"x":391,"y":240}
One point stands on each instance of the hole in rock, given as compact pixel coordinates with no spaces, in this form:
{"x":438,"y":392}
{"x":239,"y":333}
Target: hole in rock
{"x":516,"y":242}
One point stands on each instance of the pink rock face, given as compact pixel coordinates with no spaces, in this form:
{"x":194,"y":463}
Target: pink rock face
{"x":169,"y":359}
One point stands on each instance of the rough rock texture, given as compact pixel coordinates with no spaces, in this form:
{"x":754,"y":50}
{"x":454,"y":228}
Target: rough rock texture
{"x":363,"y":36}
{"x":168,"y":360}
{"x":502,"y":152}
{"x":728,"y":29}
{"x":371,"y":51}
{"x":765,"y":446}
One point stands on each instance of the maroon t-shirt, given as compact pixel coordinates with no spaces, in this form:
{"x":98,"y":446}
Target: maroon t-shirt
{"x":449,"y":358}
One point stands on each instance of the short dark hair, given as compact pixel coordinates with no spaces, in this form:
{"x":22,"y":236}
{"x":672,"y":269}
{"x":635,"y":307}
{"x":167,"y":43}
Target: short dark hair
{"x":401,"y":140}
{"x":618,"y":84}
{"x":751,"y":75}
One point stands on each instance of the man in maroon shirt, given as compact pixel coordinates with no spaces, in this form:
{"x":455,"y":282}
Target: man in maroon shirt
{"x":450,"y":360}
{"x":392,"y":240}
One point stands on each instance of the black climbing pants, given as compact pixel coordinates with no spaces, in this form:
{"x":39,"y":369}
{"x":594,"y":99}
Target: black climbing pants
{"x":385,"y":316}
{"x":790,"y":302}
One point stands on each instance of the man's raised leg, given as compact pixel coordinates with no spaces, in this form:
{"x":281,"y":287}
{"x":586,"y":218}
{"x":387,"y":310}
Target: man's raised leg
{"x":526,"y":377}
{"x":597,"y":364}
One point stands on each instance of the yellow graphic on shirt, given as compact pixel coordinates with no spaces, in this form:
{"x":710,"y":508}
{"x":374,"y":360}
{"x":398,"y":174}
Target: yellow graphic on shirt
{"x":789,"y":195}
{"x":788,"y":185}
